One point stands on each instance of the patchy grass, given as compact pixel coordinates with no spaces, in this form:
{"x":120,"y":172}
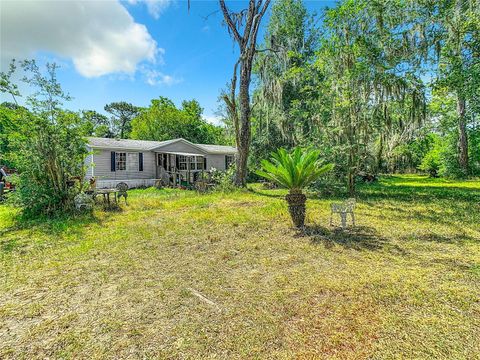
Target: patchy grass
{"x":181,"y":275}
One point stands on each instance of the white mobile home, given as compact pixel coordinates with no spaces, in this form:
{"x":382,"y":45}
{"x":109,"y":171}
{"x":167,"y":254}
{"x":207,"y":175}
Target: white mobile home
{"x":141,"y":162}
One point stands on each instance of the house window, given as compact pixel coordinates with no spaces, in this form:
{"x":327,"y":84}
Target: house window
{"x":229,"y":161}
{"x":182,"y":162}
{"x":199,"y":162}
{"x":196,"y":162}
{"x":120,"y":161}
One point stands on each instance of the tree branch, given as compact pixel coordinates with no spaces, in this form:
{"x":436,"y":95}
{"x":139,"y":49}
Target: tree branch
{"x":232,"y":102}
{"x":205,"y":18}
{"x":229,"y":21}
{"x":267,"y":49}
{"x":252,"y":9}
{"x":256,"y":24}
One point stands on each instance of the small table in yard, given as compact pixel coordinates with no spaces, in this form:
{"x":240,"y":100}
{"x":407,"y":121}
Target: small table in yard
{"x":106,"y":194}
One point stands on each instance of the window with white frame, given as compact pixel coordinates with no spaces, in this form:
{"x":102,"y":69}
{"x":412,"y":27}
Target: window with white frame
{"x":120,"y":161}
{"x":190,"y":162}
{"x":200,"y":162}
{"x":229,"y":161}
{"x":182,"y":162}
{"x":132,"y":161}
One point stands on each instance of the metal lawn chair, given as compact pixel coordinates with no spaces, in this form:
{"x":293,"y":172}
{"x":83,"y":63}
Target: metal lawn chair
{"x":343,"y":209}
{"x":122,"y":191}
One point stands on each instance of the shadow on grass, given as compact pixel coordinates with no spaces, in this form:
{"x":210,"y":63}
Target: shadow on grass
{"x":312,"y":195}
{"x":264,"y":193}
{"x":455,"y":213}
{"x":26,"y":234}
{"x":456,"y":238}
{"x":420,"y":194}
{"x":357,"y":238}
{"x":393,"y":189}
{"x":419,"y":189}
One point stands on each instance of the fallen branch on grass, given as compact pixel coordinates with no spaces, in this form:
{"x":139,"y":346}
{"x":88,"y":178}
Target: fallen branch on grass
{"x":200,"y":296}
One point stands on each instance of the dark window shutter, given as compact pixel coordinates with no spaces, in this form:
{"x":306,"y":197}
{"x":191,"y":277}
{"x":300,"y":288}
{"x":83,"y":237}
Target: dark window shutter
{"x":204,"y":163}
{"x":140,"y":161}
{"x":177,"y":162}
{"x":112,"y":161}
{"x":226,"y":162}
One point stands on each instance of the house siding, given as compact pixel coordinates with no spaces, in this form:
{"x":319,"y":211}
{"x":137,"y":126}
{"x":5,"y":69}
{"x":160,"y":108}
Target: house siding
{"x":216,"y":161}
{"x":180,"y":146}
{"x":98,"y":164}
{"x":88,"y":164}
{"x":102,"y":166}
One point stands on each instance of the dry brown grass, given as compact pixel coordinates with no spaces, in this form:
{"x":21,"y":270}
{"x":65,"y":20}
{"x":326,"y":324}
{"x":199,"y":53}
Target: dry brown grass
{"x":403,"y":284}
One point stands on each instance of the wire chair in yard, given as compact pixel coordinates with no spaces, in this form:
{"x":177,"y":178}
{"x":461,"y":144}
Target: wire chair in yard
{"x":122,"y":191}
{"x":343,"y":209}
{"x":83,"y":202}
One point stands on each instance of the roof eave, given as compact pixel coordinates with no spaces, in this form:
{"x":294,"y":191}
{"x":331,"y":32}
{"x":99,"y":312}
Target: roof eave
{"x":115,"y":148}
{"x":223,"y":152}
{"x":157,"y":148}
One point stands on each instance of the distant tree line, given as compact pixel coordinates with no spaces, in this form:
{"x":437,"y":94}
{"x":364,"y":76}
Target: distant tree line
{"x":162,"y":120}
{"x":377,"y":87}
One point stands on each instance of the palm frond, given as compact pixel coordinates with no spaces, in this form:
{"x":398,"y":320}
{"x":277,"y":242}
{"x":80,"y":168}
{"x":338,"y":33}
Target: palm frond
{"x":293,"y":170}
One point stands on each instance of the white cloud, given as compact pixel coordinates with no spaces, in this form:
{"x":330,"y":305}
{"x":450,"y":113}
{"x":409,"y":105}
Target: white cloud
{"x":100,"y":37}
{"x":213,"y":119}
{"x":154,"y":77}
{"x":154,"y":7}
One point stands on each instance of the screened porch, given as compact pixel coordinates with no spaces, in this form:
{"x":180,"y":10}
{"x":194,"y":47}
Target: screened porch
{"x":180,"y":168}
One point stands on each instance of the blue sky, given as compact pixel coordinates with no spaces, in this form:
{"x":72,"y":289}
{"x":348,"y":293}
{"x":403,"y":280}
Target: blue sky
{"x":158,"y":48}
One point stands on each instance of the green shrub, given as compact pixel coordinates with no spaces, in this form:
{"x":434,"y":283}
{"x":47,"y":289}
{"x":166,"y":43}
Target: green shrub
{"x":49,"y":155}
{"x":46,"y":144}
{"x":431,"y":162}
{"x":224,"y":180}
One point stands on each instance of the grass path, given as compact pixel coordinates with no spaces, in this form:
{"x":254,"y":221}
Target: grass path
{"x":181,"y":275}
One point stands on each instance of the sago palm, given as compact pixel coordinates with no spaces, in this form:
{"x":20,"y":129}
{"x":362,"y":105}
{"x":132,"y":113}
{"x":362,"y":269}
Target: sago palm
{"x":294,"y":171}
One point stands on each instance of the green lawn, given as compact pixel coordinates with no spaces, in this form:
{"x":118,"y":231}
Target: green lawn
{"x":179,"y":275}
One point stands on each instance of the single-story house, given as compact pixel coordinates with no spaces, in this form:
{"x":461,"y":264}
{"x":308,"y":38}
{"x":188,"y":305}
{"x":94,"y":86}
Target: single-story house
{"x":142,"y":162}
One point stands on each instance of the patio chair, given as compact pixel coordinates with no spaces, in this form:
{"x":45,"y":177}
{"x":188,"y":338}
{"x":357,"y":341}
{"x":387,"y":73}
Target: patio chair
{"x":122,"y":191}
{"x":343,"y":209}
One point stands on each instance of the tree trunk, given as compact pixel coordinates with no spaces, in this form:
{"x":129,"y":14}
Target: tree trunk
{"x":351,"y":183}
{"x":352,"y":155}
{"x":380,"y":154}
{"x":243,"y":143}
{"x":247,"y":46}
{"x":351,"y":172}
{"x":296,"y":208}
{"x":462,"y":136}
